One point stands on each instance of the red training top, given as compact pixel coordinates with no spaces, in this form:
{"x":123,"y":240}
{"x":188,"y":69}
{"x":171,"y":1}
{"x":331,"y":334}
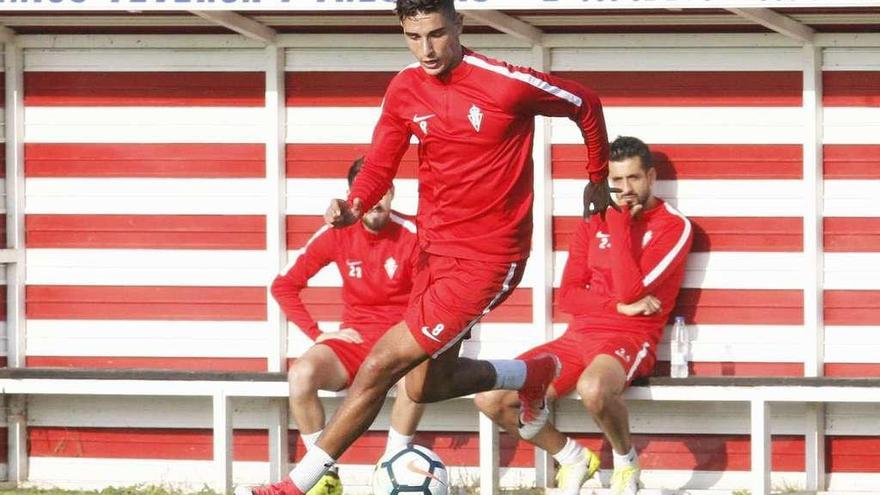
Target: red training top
{"x":475,"y":127}
{"x":376,"y":269}
{"x":623,"y":260}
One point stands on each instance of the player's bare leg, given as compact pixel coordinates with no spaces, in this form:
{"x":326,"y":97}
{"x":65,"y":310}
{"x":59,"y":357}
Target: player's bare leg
{"x":502,"y":407}
{"x":405,"y":417}
{"x":577,"y":464}
{"x":317,"y":369}
{"x":601,"y":389}
{"x":393,"y":356}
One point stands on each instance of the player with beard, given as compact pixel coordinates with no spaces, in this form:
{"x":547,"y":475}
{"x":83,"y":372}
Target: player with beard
{"x":375,"y":259}
{"x":620,"y":283}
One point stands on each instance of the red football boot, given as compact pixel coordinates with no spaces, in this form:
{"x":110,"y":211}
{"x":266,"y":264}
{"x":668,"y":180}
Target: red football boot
{"x":541,"y":370}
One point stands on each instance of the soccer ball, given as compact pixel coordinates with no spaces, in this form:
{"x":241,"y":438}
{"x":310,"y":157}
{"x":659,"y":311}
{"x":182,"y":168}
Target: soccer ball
{"x":412,"y":469}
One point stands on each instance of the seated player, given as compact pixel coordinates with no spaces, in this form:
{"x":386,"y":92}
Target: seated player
{"x":620,"y":283}
{"x":375,"y":258}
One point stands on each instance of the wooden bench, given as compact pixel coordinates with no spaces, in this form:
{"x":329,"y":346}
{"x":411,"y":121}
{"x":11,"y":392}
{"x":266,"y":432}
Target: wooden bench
{"x":759,"y":393}
{"x":221,"y":387}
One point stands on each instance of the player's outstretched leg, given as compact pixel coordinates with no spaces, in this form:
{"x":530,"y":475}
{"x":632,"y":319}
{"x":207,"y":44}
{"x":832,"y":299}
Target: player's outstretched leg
{"x":396,"y":353}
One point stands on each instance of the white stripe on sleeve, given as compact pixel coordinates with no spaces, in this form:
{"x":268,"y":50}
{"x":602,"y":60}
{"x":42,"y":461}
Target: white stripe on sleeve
{"x":526,"y":78}
{"x":664,"y":263}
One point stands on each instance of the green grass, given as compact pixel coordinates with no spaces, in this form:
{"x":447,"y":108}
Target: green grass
{"x":128,"y":490}
{"x":157,"y":490}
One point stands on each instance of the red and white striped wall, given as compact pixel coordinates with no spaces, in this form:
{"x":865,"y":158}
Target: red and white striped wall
{"x":146,"y":208}
{"x":151,"y":202}
{"x":852,"y":218}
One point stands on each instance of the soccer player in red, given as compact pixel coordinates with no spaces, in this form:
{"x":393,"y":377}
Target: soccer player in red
{"x":375,"y":259}
{"x":620,"y":283}
{"x":474,"y":119}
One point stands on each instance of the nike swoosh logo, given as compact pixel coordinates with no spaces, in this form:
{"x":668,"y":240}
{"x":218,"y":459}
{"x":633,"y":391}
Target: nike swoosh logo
{"x":419,"y":118}
{"x":427,"y":333}
{"x":411,"y":465}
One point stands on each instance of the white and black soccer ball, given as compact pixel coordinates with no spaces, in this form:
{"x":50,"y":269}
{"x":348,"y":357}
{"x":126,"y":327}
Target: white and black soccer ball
{"x":412,"y":469}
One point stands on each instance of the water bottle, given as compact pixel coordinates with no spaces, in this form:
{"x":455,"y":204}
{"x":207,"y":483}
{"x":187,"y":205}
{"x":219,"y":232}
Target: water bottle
{"x":678,"y":348}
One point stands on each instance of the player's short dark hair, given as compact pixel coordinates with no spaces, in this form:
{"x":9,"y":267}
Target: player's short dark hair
{"x":630,"y":147}
{"x":354,"y":170}
{"x":409,"y":8}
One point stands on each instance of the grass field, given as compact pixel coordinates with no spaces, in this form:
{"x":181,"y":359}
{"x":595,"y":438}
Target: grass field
{"x":154,"y":490}
{"x":130,"y":490}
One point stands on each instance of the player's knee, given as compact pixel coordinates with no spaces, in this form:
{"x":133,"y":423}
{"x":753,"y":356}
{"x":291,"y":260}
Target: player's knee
{"x":377,"y":369}
{"x":302,"y":377}
{"x":593,"y":394}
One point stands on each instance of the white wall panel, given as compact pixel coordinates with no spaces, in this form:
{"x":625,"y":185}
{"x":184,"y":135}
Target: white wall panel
{"x":851,"y":125}
{"x":147,"y":338}
{"x":676,"y":59}
{"x":694,"y":125}
{"x":147,"y":196}
{"x":852,"y":271}
{"x":848,"y":58}
{"x":852,"y":344}
{"x":144,"y":125}
{"x":852,"y":198}
{"x":142,"y":59}
{"x":146,"y":267}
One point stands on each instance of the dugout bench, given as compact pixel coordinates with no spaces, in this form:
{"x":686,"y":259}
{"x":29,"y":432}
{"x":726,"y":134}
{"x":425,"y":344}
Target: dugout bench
{"x":759,"y":393}
{"x":221,"y":387}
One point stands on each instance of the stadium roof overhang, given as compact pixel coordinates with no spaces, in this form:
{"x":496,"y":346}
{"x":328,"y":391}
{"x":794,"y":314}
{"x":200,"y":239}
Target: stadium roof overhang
{"x":527,"y":21}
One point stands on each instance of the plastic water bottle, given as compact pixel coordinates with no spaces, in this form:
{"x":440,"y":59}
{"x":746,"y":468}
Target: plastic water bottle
{"x":678,"y":348}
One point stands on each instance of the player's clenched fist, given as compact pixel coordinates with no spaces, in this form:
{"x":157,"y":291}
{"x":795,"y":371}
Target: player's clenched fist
{"x":342,"y":214}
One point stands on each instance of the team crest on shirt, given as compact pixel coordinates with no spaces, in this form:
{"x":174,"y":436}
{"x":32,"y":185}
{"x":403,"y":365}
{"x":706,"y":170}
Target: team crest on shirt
{"x":475,"y":115}
{"x":623,"y":354}
{"x":647,"y":238}
{"x":390,"y":267}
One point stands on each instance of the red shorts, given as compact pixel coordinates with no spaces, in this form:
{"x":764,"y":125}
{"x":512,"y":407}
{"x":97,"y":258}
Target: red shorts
{"x":577,"y":349}
{"x":450,"y":295}
{"x":352,"y":355}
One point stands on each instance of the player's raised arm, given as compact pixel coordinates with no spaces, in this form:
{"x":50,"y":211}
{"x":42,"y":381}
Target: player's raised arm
{"x":559,"y":97}
{"x":390,"y":141}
